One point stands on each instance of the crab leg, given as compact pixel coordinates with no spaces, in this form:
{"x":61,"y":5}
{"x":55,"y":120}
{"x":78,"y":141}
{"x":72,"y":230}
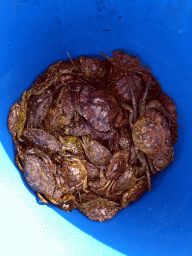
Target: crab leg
{"x":142,"y":101}
{"x":131,"y":114}
{"x":41,"y":198}
{"x":133,"y":101}
{"x":151,"y":165}
{"x":108,"y":189}
{"x":17,"y":161}
{"x":143,"y":161}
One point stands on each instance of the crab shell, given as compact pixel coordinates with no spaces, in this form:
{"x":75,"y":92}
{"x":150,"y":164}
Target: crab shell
{"x":151,"y":134}
{"x":122,"y":84}
{"x":134,"y":193}
{"x":93,"y":67}
{"x":13,"y":118}
{"x":100,"y":209}
{"x":99,"y":108}
{"x":161,"y":164}
{"x":117,"y":164}
{"x":37,"y":175}
{"x":42,"y":139}
{"x":37,"y":108}
{"x":74,"y":173}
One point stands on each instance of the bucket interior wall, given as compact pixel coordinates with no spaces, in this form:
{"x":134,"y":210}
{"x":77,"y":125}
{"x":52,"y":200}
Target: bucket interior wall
{"x":37,"y":33}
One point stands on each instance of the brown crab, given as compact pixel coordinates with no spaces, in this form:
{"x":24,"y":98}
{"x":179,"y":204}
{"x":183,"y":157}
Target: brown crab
{"x":75,"y":174}
{"x":46,"y":80}
{"x":106,"y":184}
{"x":93,"y":67}
{"x":52,"y":118}
{"x":17,"y":117}
{"x":117,"y":165}
{"x":134,"y":193}
{"x":37,"y":108}
{"x":96,"y":153}
{"x":72,"y":144}
{"x":150,"y":133}
{"x":100,"y":209}
{"x":99,"y":107}
{"x":126,"y":62}
{"x":41,"y":139}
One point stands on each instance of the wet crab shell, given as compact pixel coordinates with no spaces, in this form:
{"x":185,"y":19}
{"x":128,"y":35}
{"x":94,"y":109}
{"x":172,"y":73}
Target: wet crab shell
{"x":78,"y":128}
{"x":99,"y":108}
{"x":161,"y":164}
{"x":67,"y":104}
{"x":170,"y":107}
{"x":93,"y":67}
{"x":96,"y":153}
{"x":126,"y":180}
{"x":134,"y":193}
{"x":37,"y":108}
{"x":151,"y":134}
{"x":67,"y":70}
{"x":100,"y":209}
{"x":117,"y":165}
{"x":46,"y":79}
{"x":72,"y":144}
{"x":37,"y":175}
{"x":75,"y":173}
{"x":52,"y":118}
{"x":122,"y":58}
{"x":92,"y":170}
{"x":13,"y":118}
{"x":42,"y":139}
{"x":122,"y":84}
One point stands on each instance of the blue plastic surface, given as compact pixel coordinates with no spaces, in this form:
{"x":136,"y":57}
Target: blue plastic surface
{"x":36,"y":34}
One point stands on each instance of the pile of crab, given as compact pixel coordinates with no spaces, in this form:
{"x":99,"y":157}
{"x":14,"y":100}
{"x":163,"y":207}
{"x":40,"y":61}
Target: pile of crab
{"x":91,"y":132}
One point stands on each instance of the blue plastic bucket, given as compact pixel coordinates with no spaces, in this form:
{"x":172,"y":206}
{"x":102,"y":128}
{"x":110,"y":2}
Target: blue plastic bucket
{"x":37,"y":33}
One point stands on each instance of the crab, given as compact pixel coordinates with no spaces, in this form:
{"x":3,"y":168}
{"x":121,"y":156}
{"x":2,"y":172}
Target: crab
{"x":81,"y":128}
{"x":50,"y":144}
{"x":37,"y":108}
{"x":67,"y":103}
{"x":120,"y":83}
{"x":127,"y":70}
{"x":46,"y":80}
{"x":41,"y":175}
{"x":117,"y":165}
{"x":72,"y":144}
{"x":44,"y":177}
{"x":96,"y":153}
{"x":92,"y":171}
{"x":126,"y":62}
{"x":41,"y":139}
{"x":68,"y":71}
{"x":129,"y":178}
{"x":53,"y":118}
{"x":106,"y":184}
{"x":150,"y":132}
{"x":17,"y":117}
{"x":38,"y":174}
{"x":75,"y":174}
{"x":97,"y":106}
{"x":170,"y":107}
{"x":134,"y":193}
{"x":100,"y":209}
{"x":94,"y":69}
